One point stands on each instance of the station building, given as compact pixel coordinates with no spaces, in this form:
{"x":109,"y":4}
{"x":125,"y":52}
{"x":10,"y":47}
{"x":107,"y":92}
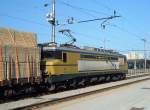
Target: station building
{"x":137,"y":61}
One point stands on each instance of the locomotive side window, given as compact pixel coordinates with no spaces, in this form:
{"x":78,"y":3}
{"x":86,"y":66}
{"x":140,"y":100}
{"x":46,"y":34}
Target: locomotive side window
{"x":113,"y":58}
{"x":52,"y":54}
{"x":64,"y":57}
{"x":100,"y":57}
{"x":88,"y":56}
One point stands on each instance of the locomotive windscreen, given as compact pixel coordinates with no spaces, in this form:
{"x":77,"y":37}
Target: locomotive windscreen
{"x":51,"y":55}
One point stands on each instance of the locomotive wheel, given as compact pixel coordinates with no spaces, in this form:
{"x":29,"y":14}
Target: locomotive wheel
{"x":28,"y":90}
{"x":72,"y":83}
{"x":8,"y":93}
{"x":94,"y":80}
{"x":61,"y":86}
{"x":1,"y":93}
{"x":108,"y":78}
{"x":113,"y":77}
{"x":101,"y":79}
{"x":52,"y":87}
{"x":81,"y":82}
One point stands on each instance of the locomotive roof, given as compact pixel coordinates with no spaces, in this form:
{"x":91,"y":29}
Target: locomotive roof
{"x":79,"y":50}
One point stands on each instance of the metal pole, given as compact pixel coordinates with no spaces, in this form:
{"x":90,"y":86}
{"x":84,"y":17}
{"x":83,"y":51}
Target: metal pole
{"x":135,"y":62}
{"x":104,"y":43}
{"x":54,"y":21}
{"x":145,"y":52}
{"x":145,"y":56}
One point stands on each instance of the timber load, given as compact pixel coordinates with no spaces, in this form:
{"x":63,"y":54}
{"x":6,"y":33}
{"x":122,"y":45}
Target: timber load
{"x":22,"y":39}
{"x":19,"y":58}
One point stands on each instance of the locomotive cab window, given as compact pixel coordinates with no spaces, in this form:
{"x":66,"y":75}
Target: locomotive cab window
{"x":64,"y":57}
{"x":51,"y":55}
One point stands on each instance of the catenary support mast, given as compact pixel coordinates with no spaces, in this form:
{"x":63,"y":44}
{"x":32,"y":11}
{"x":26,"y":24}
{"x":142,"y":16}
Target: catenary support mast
{"x":54,"y":22}
{"x":145,"y":54}
{"x":51,"y":18}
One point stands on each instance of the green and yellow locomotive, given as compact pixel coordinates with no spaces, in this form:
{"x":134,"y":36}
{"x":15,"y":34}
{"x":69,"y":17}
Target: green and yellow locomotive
{"x":70,"y":64}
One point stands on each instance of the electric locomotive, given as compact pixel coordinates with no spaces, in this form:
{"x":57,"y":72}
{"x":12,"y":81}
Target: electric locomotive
{"x":73,"y":66}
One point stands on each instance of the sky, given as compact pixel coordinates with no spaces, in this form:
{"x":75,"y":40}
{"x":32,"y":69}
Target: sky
{"x":121,"y":34}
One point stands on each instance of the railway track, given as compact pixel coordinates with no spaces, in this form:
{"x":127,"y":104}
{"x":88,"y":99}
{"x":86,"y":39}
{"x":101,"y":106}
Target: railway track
{"x":52,"y":99}
{"x":131,"y":74}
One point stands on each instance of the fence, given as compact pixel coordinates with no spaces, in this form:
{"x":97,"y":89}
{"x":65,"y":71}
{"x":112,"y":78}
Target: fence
{"x":134,"y":72}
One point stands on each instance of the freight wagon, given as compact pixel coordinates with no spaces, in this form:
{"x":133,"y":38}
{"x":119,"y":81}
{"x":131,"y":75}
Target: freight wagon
{"x":19,"y":60}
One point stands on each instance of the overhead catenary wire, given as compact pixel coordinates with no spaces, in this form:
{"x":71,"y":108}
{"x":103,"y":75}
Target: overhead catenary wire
{"x":133,"y":24}
{"x":98,"y":19}
{"x":72,"y":21}
{"x":23,"y":19}
{"x":98,"y":39}
{"x":78,"y":9}
{"x":119,"y":50}
{"x":83,"y":21}
{"x":21,"y":10}
{"x":125,"y":30}
{"x":33,"y":22}
{"x":87,"y":10}
{"x":133,"y":34}
{"x":127,"y":50}
{"x":102,"y":4}
{"x":101,"y":19}
{"x":109,"y":8}
{"x":83,"y":35}
{"x":84,"y":10}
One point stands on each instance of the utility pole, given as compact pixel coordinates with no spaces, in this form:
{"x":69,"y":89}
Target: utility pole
{"x":51,"y":18}
{"x":145,"y":55}
{"x":135,"y":55}
{"x":54,"y":22}
{"x":105,"y":43}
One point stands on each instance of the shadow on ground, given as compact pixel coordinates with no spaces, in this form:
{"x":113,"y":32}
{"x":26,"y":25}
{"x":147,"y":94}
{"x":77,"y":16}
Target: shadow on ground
{"x":134,"y":108}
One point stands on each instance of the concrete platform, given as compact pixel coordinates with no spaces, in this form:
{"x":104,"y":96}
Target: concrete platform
{"x":131,"y":97}
{"x":36,"y":100}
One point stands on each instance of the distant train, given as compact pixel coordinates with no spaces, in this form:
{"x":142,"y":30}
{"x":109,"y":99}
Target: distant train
{"x":24,"y":66}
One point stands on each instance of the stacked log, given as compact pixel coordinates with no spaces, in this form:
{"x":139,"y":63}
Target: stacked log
{"x":19,"y":56}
